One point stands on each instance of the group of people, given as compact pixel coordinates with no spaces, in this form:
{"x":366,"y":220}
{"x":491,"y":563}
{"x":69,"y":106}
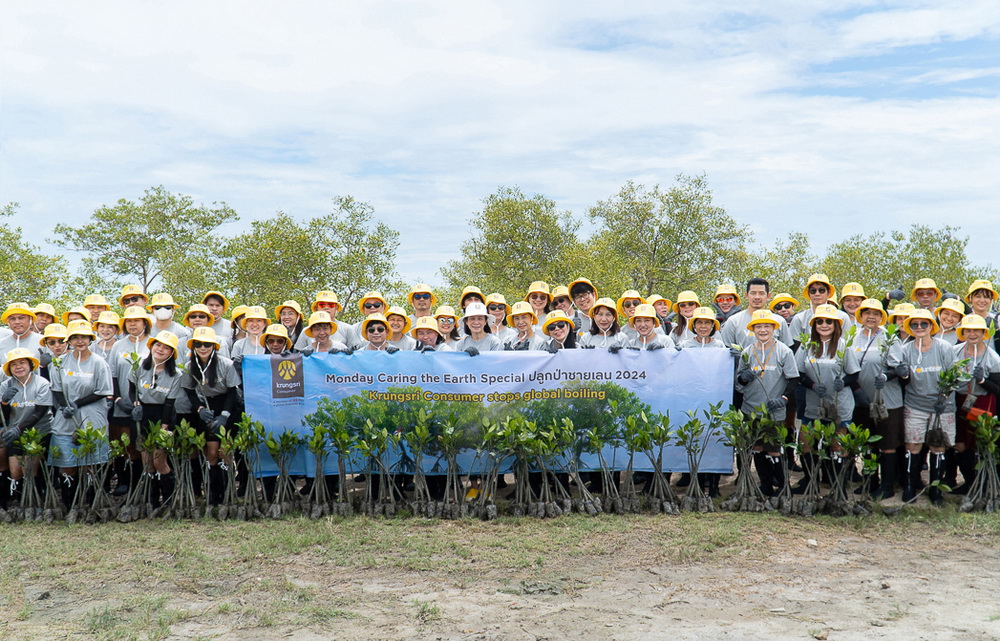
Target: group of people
{"x":118,"y":368}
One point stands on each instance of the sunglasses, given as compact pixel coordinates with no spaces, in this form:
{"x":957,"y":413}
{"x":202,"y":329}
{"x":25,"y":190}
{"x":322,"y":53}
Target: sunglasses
{"x":817,"y":290}
{"x":372,"y":305}
{"x":496,"y":308}
{"x":629,"y":304}
{"x":132,"y":299}
{"x":725,"y":299}
{"x":376,"y":329}
{"x":562,"y":300}
{"x":687,"y":304}
{"x":327,"y":305}
{"x":538,"y":296}
{"x":784,"y":306}
{"x":920,"y":324}
{"x":446,"y":321}
{"x":155,"y":307}
{"x":825,"y":321}
{"x":197,"y":317}
{"x":52,"y":342}
{"x":200,"y":344}
{"x":421,"y":297}
{"x":558,"y":325}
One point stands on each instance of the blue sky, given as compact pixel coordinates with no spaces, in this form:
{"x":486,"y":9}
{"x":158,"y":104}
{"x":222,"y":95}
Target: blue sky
{"x":833,"y":118}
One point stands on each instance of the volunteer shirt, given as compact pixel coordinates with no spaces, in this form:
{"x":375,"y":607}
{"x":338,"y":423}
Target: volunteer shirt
{"x":156,"y":387}
{"x":868,"y":351}
{"x":601,"y":340}
{"x":800,"y":322}
{"x":489,"y":343}
{"x":734,"y":331}
{"x":175,"y":328}
{"x":29,"y":341}
{"x":535,"y":342}
{"x":346,"y":334}
{"x":925,"y":368}
{"x":695,"y":343}
{"x":35,"y":392}
{"x":250,"y":346}
{"x":120,"y":360}
{"x":683,"y":336}
{"x":774,"y":366}
{"x":823,"y":370}
{"x":659,"y":339}
{"x":508,"y":334}
{"x":77,"y":379}
{"x":984,"y":356}
{"x":949,"y":336}
{"x":405,"y":342}
{"x":225,"y":377}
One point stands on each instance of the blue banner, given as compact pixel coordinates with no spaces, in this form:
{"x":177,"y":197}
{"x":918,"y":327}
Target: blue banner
{"x":281,"y":391}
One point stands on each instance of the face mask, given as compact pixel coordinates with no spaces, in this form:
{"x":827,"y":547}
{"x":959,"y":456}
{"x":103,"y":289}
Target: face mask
{"x":163,"y":314}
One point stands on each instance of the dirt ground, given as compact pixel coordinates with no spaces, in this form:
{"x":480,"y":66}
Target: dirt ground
{"x":717,"y":576}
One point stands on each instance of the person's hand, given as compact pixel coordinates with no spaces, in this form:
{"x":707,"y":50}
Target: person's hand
{"x":391,"y":349}
{"x":238,"y":360}
{"x":614,"y":349}
{"x":838,"y":384}
{"x":472,"y":351}
{"x":939,"y":406}
{"x":216,"y":425}
{"x":8,"y":435}
{"x":652,"y":347}
{"x":522,"y":347}
{"x":896,"y":294}
{"x":820,"y":390}
{"x":979,"y":373}
{"x":735,"y":351}
{"x":44,"y":359}
{"x":307,"y":351}
{"x":745,"y":375}
{"x":9,"y":393}
{"x":286,"y":352}
{"x":137,"y":413}
{"x":553,"y":347}
{"x":587,"y":347}
{"x":903,"y":370}
{"x":67,"y":411}
{"x":206,"y":415}
{"x":776,"y":405}
{"x":880,"y":381}
{"x":124,"y":406}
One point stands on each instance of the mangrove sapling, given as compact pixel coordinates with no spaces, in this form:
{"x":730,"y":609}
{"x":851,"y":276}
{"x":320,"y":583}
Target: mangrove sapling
{"x":516,"y":436}
{"x":635,"y":436}
{"x":228,"y":447}
{"x":52,"y":507}
{"x":950,"y":380}
{"x":30,"y":508}
{"x":984,"y":491}
{"x":282,"y":449}
{"x":847,"y":446}
{"x":575,"y":445}
{"x":374,"y":445}
{"x":693,"y":436}
{"x":813,"y":440}
{"x":552,"y":443}
{"x":660,"y":434}
{"x":343,"y":441}
{"x":91,"y":500}
{"x":418,"y":439}
{"x":610,"y":499}
{"x":488,"y":450}
{"x":877,"y":410}
{"x":788,"y":441}
{"x":250,"y":437}
{"x":743,"y":433}
{"x":138,"y":503}
{"x":449,"y":441}
{"x":184,"y":444}
{"x":319,"y":498}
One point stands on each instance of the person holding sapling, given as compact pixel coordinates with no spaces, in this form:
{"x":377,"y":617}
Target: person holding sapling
{"x":766,"y":377}
{"x":399,"y":325}
{"x":210,"y":382}
{"x":626,"y":306}
{"x":477,"y":336}
{"x":879,"y":397}
{"x":559,"y":328}
{"x":976,"y":397}
{"x":949,"y":315}
{"x":604,"y":330}
{"x":320,"y":329}
{"x":644,"y":322}
{"x":28,"y":397}
{"x":734,"y":331}
{"x":928,"y":414}
{"x":80,"y":387}
{"x":705,"y":329}
{"x":829,"y":372}
{"x":584,"y":295}
{"x":818,"y":291}
{"x":687,"y":302}
{"x":429,"y":336}
{"x":523,"y":320}
{"x":496,"y":305}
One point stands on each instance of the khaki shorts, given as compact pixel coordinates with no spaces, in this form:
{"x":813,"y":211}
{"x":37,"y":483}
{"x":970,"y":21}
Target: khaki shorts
{"x":916,"y":423}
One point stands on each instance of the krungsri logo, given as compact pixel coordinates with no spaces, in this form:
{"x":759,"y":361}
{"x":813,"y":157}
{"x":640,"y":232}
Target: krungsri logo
{"x":286,"y":370}
{"x":286,"y":376}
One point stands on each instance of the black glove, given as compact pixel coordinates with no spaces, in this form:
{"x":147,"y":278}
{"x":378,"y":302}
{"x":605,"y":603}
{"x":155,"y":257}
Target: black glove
{"x":735,"y":352}
{"x":9,"y":393}
{"x":124,"y":406}
{"x":8,"y":435}
{"x":427,"y":348}
{"x":745,"y":375}
{"x":206,"y":415}
{"x":652,"y":347}
{"x":67,"y":411}
{"x":978,"y":373}
{"x":286,"y":352}
{"x":44,"y":359}
{"x":939,"y":406}
{"x":903,"y":370}
{"x":637,"y":349}
{"x":838,"y":384}
{"x":238,"y":360}
{"x":217,"y":425}
{"x":307,"y":351}
{"x":947,"y":295}
{"x":348,"y":351}
{"x":861,"y":398}
{"x":110,"y":402}
{"x":553,"y":347}
{"x":472,"y":351}
{"x":391,"y":349}
{"x":896,"y":294}
{"x":137,"y":413}
{"x":880,"y":381}
{"x":820,"y":390}
{"x":614,"y":349}
{"x":586,"y":347}
{"x":522,"y":347}
{"x":776,"y":404}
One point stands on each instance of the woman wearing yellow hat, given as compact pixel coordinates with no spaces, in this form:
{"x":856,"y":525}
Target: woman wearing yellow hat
{"x":981,"y":297}
{"x":478,"y":335}
{"x":920,"y":364}
{"x":429,"y":336}
{"x":399,"y":325}
{"x":327,"y":301}
{"x":522,"y":319}
{"x":559,"y":328}
{"x":289,"y":314}
{"x":704,"y":326}
{"x":255,"y":320}
{"x":979,"y":395}
{"x":604,"y":331}
{"x":496,"y":305}
{"x":949,"y":315}
{"x":644,"y":323}
{"x":53,"y":346}
{"x":540,"y":299}
{"x":851,"y":297}
{"x":447,"y":322}
{"x":687,"y":302}
{"x":320,"y":331}
{"x":626,"y":306}
{"x":375,"y":331}
{"x":106,"y":327}
{"x":28,"y":397}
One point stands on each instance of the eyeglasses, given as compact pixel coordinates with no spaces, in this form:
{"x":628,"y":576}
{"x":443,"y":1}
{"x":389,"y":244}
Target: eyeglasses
{"x":421,"y":296}
{"x":376,"y":329}
{"x":446,"y":320}
{"x":817,"y":290}
{"x":200,"y":344}
{"x":496,"y":308}
{"x":132,"y":299}
{"x":629,"y":304}
{"x":825,"y":321}
{"x":372,"y":305}
{"x":579,"y":295}
{"x":784,"y":306}
{"x":920,"y":324}
{"x":725,"y":299}
{"x":52,"y":342}
{"x":558,"y":325}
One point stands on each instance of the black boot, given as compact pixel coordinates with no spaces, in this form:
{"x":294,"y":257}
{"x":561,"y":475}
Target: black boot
{"x":790,"y":457}
{"x":154,"y":491}
{"x":887,"y":463}
{"x":125,"y":473}
{"x":197,"y":477}
{"x":4,"y":490}
{"x":808,"y":461}
{"x":764,"y":473}
{"x":167,"y":483}
{"x":777,"y":473}
{"x":936,"y":472}
{"x":912,"y":469}
{"x":966,"y":463}
{"x":15,"y":493}
{"x":216,"y":484}
{"x":67,"y":488}
{"x":950,"y":474}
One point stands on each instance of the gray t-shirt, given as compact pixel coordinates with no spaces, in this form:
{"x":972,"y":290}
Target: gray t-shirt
{"x":868,"y":351}
{"x":774,"y":367}
{"x":823,"y":370}
{"x":77,"y":379}
{"x":925,"y":370}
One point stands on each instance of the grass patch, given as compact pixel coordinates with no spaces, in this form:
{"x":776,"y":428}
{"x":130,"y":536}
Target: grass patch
{"x":141,"y":618}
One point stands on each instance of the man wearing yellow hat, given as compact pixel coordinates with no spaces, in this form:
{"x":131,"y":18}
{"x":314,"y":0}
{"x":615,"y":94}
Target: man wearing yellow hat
{"x":20,"y":320}
{"x":734,"y":330}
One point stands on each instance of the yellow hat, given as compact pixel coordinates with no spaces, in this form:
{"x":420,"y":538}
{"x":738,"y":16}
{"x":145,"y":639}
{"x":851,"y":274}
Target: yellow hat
{"x":373,"y":318}
{"x":80,"y":328}
{"x":129,"y":291}
{"x":447,"y":311}
{"x":290,"y":304}
{"x":426,"y":322}
{"x":921,"y":314}
{"x":54,"y":330}
{"x":19,"y":308}
{"x":981,"y":284}
{"x":135,"y":312}
{"x":901,"y":310}
{"x":951,"y":304}
{"x":925,"y":283}
{"x":583,"y":281}
{"x":606,"y":303}
{"x":705,"y":313}
{"x":278,"y":330}
{"x":79,"y":309}
{"x":45,"y":308}
{"x":871,"y":303}
{"x":826,"y":311}
{"x":167,"y":338}
{"x":317,"y":318}
{"x":17,"y":354}
{"x":653,"y":299}
{"x":225,"y":301}
{"x":204,"y":335}
{"x":539,"y":287}
{"x":521,"y":307}
{"x":971,"y":321}
{"x":554,"y":317}
{"x":761,"y":317}
{"x":783,"y":297}
{"x":96,"y":300}
{"x":627,"y":295}
{"x":198,"y":308}
{"x":422,"y":288}
{"x":325,"y":297}
{"x":108,"y":318}
{"x":471,"y":289}
{"x":498,"y":299}
{"x":727,"y":290}
{"x":852,"y":289}
{"x":161,"y":300}
{"x":686,"y":296}
{"x":832,"y":300}
{"x":396,"y":310}
{"x":560,"y":291}
{"x":645,"y":311}
{"x":822,"y":279}
{"x":238,"y":313}
{"x":256,"y":312}
{"x":370,"y":295}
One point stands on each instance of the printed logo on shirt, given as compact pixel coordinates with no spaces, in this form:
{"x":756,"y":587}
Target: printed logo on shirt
{"x":80,"y":374}
{"x":286,"y":377}
{"x":929,"y":368}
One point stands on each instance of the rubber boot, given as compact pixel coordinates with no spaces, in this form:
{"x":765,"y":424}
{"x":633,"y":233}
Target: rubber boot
{"x":764,"y":473}
{"x":243,"y":480}
{"x":808,"y":460}
{"x":216,"y":484}
{"x":332,"y":485}
{"x":790,"y":456}
{"x":154,"y":491}
{"x":950,"y":474}
{"x":67,"y":488}
{"x":936,"y":472}
{"x":912,"y":476}
{"x":125,"y":472}
{"x":4,"y":489}
{"x":15,"y":493}
{"x":777,"y":473}
{"x":967,"y":464}
{"x":197,"y":477}
{"x":888,"y":462}
{"x":167,"y":483}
